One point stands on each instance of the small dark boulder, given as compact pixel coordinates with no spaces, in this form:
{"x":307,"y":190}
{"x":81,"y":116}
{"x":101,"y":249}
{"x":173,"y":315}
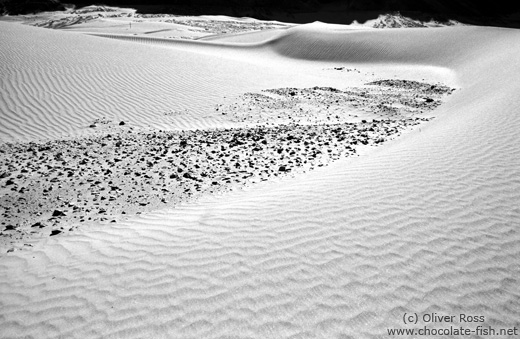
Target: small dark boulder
{"x":58,"y":213}
{"x":122,"y":123}
{"x":55,"y":232}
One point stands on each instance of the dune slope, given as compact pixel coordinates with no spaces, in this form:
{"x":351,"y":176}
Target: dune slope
{"x":427,"y":223}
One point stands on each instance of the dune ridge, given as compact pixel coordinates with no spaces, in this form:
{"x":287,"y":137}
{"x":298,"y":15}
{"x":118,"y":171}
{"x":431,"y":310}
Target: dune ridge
{"x":428,"y":223}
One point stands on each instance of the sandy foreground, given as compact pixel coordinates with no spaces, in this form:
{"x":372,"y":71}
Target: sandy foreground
{"x":203,"y":178}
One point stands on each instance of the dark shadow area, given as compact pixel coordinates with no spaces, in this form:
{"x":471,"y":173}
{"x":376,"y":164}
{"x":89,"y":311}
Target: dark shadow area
{"x":18,"y":7}
{"x":499,"y":13}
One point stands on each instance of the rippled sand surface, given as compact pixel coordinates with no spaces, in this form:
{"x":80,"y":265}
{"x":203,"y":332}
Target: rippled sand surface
{"x":426,"y":223}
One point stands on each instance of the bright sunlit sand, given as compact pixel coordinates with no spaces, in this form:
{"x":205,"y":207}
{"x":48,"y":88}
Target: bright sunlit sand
{"x":218,"y":177}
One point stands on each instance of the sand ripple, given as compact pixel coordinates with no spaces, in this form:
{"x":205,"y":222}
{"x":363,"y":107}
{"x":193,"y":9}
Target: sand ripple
{"x":427,"y":224}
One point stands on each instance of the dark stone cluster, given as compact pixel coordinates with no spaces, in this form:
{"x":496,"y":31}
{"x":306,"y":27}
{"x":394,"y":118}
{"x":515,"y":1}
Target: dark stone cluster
{"x":57,"y":185}
{"x":51,"y":187}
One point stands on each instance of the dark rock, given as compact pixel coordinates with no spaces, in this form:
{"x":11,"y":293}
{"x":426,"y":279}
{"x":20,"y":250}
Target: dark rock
{"x":9,"y":228}
{"x":122,"y":123}
{"x":55,"y":232}
{"x":93,"y":126}
{"x":9,"y":182}
{"x":58,"y":213}
{"x":4,"y":175}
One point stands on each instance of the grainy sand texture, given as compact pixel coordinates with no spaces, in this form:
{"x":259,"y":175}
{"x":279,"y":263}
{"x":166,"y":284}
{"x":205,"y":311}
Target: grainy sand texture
{"x":218,"y":177}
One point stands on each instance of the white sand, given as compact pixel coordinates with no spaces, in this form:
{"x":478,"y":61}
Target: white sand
{"x":426,"y":223}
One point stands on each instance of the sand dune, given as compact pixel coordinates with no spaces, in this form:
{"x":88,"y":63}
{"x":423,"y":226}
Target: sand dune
{"x":100,"y":78}
{"x":427,"y":223}
{"x":90,"y":78}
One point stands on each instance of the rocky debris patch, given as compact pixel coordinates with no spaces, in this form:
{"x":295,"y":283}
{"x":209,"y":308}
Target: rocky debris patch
{"x":53,"y":187}
{"x":397,"y":20}
{"x":433,"y":89}
{"x":114,"y":171}
{"x":77,"y":17}
{"x":344,"y":69}
{"x":382,"y":99}
{"x":66,"y":22}
{"x":95,"y":8}
{"x":203,"y":27}
{"x":225,"y":26}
